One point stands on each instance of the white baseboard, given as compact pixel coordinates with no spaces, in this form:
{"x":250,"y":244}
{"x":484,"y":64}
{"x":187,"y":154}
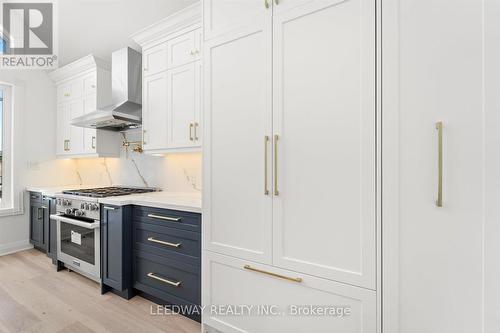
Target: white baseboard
{"x":15,"y":247}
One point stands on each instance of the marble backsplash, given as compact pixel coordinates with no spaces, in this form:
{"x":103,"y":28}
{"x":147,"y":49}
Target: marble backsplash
{"x":180,"y":172}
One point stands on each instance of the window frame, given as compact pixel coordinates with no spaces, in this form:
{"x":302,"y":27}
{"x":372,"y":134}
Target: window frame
{"x":12,"y":195}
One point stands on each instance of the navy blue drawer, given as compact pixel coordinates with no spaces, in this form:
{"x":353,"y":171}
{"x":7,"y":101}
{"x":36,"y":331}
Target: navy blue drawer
{"x":176,"y":244}
{"x":35,"y":197}
{"x":166,"y":279}
{"x":169,"y":218}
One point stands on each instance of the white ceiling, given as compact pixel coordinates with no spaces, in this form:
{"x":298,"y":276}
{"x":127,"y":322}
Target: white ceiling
{"x":102,"y":26}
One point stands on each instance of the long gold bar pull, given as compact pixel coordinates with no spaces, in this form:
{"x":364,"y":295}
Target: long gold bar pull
{"x":250,"y":268}
{"x":439,"y":127}
{"x":266,"y":142}
{"x":276,"y":191}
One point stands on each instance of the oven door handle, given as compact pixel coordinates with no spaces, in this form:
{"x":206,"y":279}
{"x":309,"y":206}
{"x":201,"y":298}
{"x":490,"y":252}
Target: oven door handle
{"x":86,"y":225}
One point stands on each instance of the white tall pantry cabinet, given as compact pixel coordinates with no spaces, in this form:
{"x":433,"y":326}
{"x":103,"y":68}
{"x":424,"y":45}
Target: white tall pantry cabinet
{"x":290,"y":162}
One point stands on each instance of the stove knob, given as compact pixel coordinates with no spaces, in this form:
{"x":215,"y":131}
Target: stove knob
{"x":68,"y":211}
{"x":59,"y":202}
{"x":67,"y":203}
{"x":94,"y":207}
{"x":79,"y":212}
{"x":82,"y":205}
{"x":87,"y":206}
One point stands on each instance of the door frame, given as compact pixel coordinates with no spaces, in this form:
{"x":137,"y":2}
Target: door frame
{"x":388,"y":102}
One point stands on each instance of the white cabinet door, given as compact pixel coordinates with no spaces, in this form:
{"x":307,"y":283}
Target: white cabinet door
{"x":227,"y":282}
{"x":154,"y":111}
{"x":89,"y":105}
{"x":154,"y":59}
{"x":63,"y":129}
{"x":90,"y":84}
{"x":76,"y":133}
{"x":181,"y":106}
{"x":222,"y":16}
{"x":447,"y":255}
{"x":325,"y":119}
{"x":183,"y":49}
{"x":237,"y":117}
{"x":198,"y":128}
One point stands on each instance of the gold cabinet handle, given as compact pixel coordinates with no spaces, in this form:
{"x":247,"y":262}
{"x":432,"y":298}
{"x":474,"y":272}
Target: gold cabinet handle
{"x":276,"y":191}
{"x":144,"y":137}
{"x":67,"y":94}
{"x":191,"y":125}
{"x":195,"y":131}
{"x":167,"y":218}
{"x":250,"y":268}
{"x":176,"y":245}
{"x":266,"y":142}
{"x":276,"y":2}
{"x":266,"y":4}
{"x":93,"y":142}
{"x":66,"y":145}
{"x":172,"y":283}
{"x":439,"y":201}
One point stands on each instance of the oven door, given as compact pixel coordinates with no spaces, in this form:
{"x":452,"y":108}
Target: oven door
{"x":78,"y":245}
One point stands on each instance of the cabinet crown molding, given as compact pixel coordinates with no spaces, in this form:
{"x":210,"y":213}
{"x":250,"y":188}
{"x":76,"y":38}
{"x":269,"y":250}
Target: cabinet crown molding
{"x":185,"y":17}
{"x":78,"y":66}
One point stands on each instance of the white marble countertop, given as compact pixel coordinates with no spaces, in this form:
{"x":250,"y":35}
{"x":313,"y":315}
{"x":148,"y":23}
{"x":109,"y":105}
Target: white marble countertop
{"x":53,"y":190}
{"x":183,"y":201}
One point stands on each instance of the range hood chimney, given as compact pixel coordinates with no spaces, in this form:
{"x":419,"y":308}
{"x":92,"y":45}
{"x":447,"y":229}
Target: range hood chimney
{"x":126,"y":86}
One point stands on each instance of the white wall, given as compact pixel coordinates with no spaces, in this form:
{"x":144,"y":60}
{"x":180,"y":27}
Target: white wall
{"x":38,"y":144}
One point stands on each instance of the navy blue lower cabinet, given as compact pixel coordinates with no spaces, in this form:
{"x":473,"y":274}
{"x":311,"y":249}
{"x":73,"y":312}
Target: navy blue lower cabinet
{"x":154,"y":253}
{"x":167,"y":257}
{"x":116,"y":250}
{"x":50,"y":227}
{"x":37,"y":222}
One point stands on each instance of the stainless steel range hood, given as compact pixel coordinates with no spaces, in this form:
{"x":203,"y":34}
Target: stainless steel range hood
{"x":126,"y":86}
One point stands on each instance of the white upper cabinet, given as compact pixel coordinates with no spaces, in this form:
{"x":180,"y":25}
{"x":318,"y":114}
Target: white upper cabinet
{"x":82,"y":87}
{"x":172,"y":82}
{"x":154,"y":111}
{"x":184,"y":49}
{"x":324,"y":119}
{"x":183,"y":105}
{"x":154,"y":59}
{"x":223,"y":16}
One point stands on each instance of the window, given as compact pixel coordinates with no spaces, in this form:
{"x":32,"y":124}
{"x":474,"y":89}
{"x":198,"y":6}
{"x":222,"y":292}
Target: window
{"x":10,"y":192}
{"x":1,"y":136}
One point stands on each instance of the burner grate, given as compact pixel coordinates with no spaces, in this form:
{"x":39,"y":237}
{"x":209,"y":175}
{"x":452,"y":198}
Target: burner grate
{"x":102,"y":192}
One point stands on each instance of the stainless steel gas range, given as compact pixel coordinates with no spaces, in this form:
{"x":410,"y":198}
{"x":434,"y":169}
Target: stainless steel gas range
{"x":78,"y":227}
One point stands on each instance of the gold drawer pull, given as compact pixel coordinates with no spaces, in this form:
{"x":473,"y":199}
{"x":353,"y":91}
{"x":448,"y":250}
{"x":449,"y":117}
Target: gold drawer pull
{"x":250,"y":268}
{"x":276,"y":191}
{"x":168,"y":218}
{"x":439,"y":201}
{"x":176,"y":245}
{"x":172,"y":283}
{"x":266,"y":141}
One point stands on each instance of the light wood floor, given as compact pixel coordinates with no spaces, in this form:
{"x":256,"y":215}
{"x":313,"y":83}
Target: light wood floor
{"x":36,"y":298}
